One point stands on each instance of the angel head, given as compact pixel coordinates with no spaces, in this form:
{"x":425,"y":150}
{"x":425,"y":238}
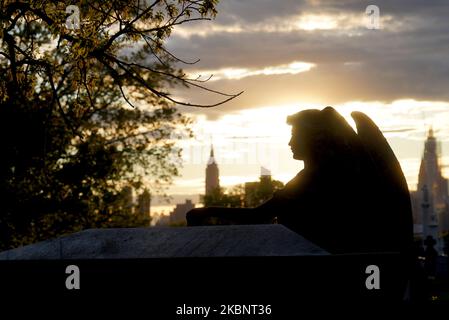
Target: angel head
{"x":321,"y":135}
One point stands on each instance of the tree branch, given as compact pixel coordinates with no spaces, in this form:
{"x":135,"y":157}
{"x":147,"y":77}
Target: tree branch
{"x":158,"y":93}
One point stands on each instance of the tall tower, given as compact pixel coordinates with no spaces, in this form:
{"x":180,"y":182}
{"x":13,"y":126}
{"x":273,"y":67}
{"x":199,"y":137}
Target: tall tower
{"x":212,"y":173}
{"x":432,"y":187}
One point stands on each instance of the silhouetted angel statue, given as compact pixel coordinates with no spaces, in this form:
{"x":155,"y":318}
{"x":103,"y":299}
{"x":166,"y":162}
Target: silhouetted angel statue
{"x":350,"y":197}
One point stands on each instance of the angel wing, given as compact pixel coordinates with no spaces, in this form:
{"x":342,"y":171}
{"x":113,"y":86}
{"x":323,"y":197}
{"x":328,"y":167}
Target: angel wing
{"x":391,"y":178}
{"x":379,"y":150}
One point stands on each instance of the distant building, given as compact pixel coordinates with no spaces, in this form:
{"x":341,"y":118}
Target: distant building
{"x":212,"y":174}
{"x":430,"y":202}
{"x":178,"y":215}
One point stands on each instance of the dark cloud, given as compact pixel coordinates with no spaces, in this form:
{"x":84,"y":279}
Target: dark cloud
{"x":251,"y":11}
{"x":409,"y":61}
{"x":397,"y":7}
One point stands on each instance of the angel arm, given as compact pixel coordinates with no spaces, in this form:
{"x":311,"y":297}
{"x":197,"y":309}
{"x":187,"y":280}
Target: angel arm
{"x":226,"y":216}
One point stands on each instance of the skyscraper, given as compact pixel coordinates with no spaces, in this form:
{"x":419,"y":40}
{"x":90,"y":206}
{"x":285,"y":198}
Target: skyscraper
{"x":212,"y":174}
{"x":431,"y":200}
{"x":178,"y":215}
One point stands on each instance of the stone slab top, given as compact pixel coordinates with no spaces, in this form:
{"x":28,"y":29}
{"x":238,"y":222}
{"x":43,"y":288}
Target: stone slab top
{"x":166,"y":242}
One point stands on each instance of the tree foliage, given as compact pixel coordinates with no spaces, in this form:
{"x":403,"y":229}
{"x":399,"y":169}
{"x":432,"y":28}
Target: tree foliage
{"x":220,"y":197}
{"x":248,"y":195}
{"x":85,"y":112}
{"x":258,"y":192}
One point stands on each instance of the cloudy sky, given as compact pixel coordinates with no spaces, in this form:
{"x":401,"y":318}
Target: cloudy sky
{"x":290,"y":55}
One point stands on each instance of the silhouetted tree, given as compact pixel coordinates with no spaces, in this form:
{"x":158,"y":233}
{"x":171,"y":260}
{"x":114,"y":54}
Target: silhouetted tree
{"x":71,"y":137}
{"x":220,"y":197}
{"x":246,"y":195}
{"x":258,"y":192}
